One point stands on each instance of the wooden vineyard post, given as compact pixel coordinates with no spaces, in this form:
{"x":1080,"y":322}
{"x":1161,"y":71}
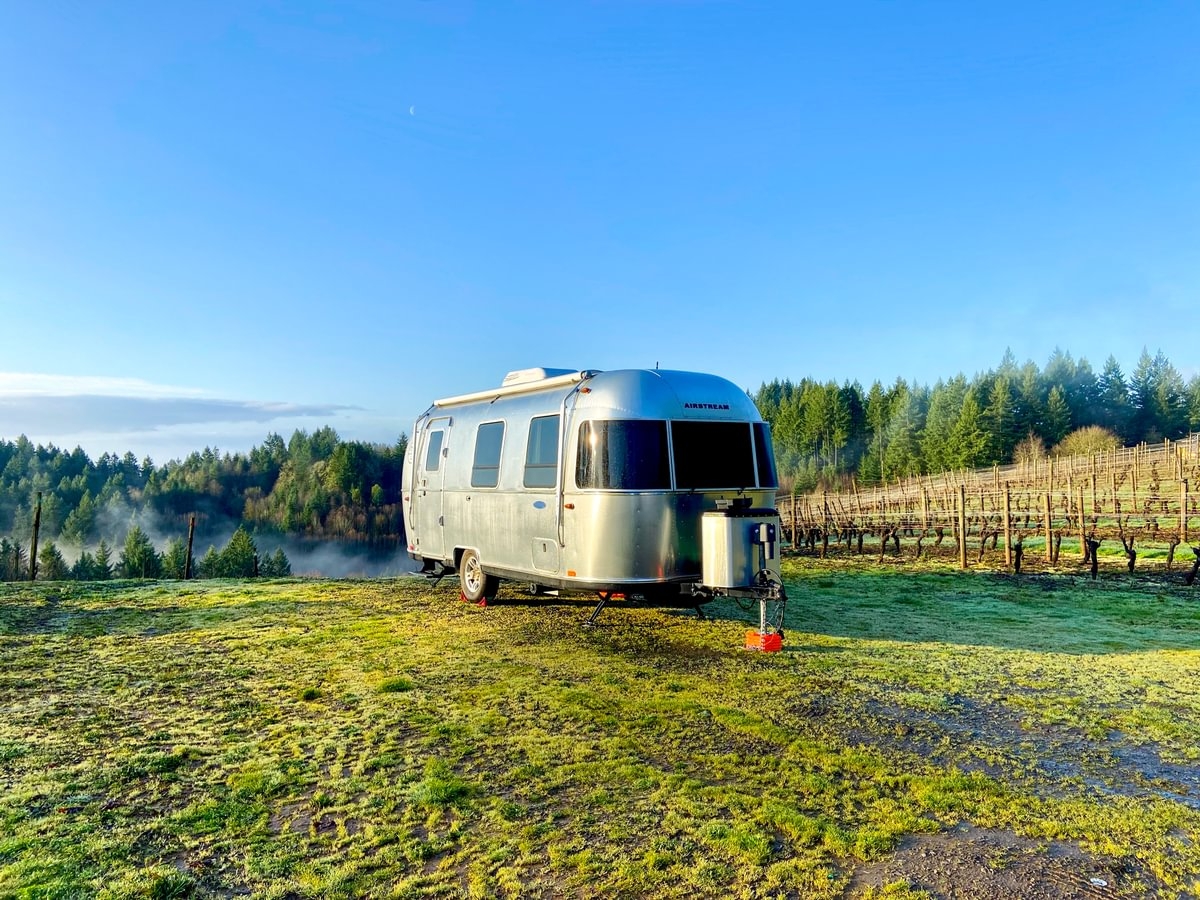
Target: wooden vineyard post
{"x":824,"y":524}
{"x":37,"y":524}
{"x":1082,"y":528}
{"x":1094,"y":510}
{"x":1183,"y":510}
{"x":187,"y":560}
{"x":962,"y":526}
{"x":1049,"y":545}
{"x":1007,"y":527}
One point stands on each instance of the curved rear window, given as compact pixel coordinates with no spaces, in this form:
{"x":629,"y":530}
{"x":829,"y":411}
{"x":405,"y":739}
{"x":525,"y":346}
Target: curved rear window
{"x":625,"y":455}
{"x":712,"y":455}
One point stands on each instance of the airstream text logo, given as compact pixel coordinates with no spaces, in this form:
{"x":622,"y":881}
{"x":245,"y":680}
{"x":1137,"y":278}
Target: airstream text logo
{"x":706,"y":406}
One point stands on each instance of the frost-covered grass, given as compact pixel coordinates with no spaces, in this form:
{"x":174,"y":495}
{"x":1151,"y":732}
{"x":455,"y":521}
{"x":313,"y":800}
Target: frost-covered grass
{"x":380,"y":738}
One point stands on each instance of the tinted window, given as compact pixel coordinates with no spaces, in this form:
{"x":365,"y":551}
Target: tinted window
{"x":485,"y":471}
{"x":712,"y":455}
{"x":541,"y":453}
{"x":764,"y":456}
{"x":623,"y":455}
{"x":434,"y":455}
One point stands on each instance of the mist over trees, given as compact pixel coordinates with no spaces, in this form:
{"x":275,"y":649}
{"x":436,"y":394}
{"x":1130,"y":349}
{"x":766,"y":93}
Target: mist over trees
{"x":825,"y":432}
{"x":118,"y":516}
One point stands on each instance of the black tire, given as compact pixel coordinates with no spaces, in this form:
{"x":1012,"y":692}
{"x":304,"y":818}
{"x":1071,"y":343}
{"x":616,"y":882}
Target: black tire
{"x":476,"y":584}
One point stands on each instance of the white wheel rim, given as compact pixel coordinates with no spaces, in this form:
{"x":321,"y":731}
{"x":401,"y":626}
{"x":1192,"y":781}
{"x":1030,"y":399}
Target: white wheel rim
{"x":473,"y":575}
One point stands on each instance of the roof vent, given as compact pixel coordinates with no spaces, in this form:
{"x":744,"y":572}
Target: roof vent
{"x":527,"y":376}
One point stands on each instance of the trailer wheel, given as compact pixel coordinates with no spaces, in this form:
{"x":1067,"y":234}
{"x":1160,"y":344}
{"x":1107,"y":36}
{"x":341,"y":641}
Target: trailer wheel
{"x":476,"y":584}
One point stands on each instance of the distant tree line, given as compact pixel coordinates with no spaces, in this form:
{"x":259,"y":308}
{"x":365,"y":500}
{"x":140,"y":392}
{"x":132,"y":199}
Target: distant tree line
{"x":825,"y":432}
{"x":314,"y":487}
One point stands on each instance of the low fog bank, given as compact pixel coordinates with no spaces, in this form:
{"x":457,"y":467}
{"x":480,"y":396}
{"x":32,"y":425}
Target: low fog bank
{"x":334,"y":561}
{"x":308,"y":558}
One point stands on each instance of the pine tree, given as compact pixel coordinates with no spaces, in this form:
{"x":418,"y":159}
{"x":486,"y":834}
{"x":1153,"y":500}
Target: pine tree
{"x":277,"y":565}
{"x":1058,"y":416}
{"x":1143,"y":383}
{"x":1083,"y":396}
{"x":174,"y":558}
{"x":1030,"y":407}
{"x":968,"y":440}
{"x":1000,"y":420}
{"x":902,"y":457}
{"x":1170,"y":399}
{"x":237,"y":559}
{"x":877,"y":414}
{"x":210,"y":565}
{"x":10,"y":560}
{"x":1113,"y":398}
{"x":81,"y":521}
{"x":139,"y":559}
{"x":103,"y":565}
{"x":945,"y":406}
{"x":1193,"y":391}
{"x":51,"y":565}
{"x":84,"y":568}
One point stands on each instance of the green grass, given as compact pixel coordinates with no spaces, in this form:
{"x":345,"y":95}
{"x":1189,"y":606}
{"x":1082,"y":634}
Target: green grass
{"x":204,"y":739}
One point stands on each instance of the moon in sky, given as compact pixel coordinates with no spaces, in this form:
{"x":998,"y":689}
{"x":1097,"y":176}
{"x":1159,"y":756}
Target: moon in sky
{"x":412,"y":110}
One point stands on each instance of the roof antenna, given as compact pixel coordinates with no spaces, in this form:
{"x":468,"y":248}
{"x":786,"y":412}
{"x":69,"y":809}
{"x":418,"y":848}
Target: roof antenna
{"x":656,"y":365}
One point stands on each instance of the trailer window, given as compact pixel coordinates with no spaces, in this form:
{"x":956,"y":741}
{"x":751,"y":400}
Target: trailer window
{"x":764,"y":456}
{"x":485,"y":471}
{"x":541,"y":453}
{"x":711,"y":455}
{"x":433,"y":456}
{"x":629,"y":455}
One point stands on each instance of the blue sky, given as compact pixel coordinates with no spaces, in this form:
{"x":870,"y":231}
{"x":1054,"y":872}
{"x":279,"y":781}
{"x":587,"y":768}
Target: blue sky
{"x":222,"y":219}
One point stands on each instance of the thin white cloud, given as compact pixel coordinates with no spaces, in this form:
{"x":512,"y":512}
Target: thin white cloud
{"x":37,"y":384}
{"x":103,"y":412}
{"x":98,"y":412}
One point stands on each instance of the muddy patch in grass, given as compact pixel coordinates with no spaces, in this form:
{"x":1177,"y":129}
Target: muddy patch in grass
{"x":992,"y":739}
{"x":969,"y":863}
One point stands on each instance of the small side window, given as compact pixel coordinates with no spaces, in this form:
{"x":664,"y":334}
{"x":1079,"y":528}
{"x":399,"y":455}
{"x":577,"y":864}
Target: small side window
{"x":433,"y":457}
{"x":485,"y":471}
{"x":541,"y":453}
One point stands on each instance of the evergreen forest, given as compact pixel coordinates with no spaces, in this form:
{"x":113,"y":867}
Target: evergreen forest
{"x":825,"y":433}
{"x":134,"y":515}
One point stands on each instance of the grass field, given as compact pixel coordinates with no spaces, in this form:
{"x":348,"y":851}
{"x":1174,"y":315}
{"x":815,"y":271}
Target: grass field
{"x":923,"y":734}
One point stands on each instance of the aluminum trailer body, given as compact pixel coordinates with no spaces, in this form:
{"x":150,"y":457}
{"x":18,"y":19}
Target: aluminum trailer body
{"x":593,"y":481}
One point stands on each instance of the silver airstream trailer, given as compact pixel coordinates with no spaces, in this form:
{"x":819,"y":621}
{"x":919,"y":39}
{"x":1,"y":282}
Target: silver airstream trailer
{"x":657,"y":483}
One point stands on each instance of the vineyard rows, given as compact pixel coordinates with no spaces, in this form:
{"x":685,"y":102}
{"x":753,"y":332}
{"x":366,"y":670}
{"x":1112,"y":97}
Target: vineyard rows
{"x":1147,"y":494}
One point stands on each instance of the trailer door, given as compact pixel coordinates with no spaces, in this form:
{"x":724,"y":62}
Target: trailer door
{"x":427,"y":500}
